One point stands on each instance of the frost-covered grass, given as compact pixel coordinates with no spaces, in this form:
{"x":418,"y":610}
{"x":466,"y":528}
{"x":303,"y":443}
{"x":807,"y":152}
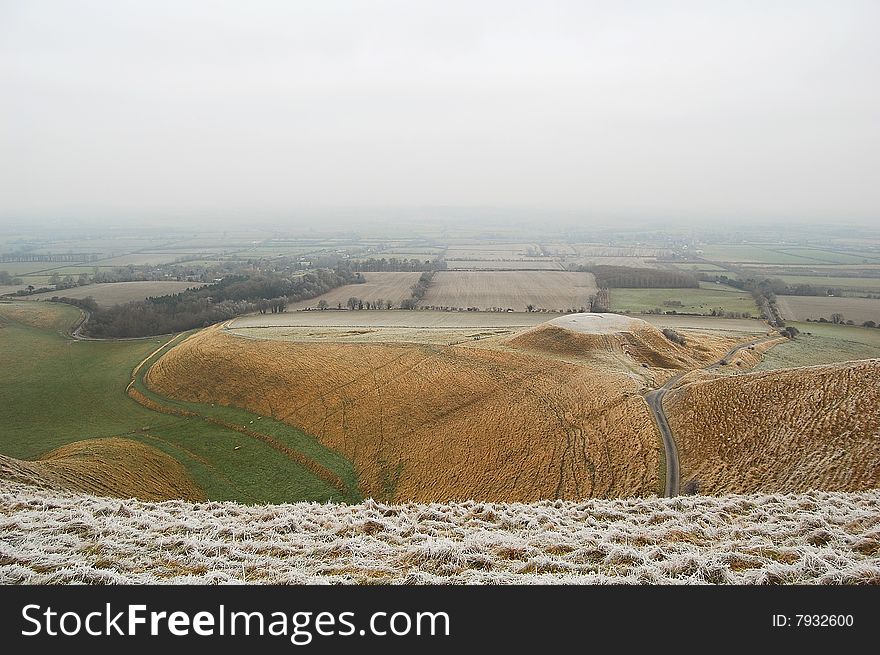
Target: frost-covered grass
{"x":814,"y":538}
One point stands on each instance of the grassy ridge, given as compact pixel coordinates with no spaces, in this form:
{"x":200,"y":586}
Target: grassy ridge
{"x":56,"y":390}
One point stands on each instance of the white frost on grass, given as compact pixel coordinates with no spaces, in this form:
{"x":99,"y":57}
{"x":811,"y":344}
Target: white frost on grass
{"x":815,"y":538}
{"x":599,"y":323}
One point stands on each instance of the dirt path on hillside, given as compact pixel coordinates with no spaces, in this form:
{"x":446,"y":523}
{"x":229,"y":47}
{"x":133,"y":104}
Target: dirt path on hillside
{"x":654,"y":399}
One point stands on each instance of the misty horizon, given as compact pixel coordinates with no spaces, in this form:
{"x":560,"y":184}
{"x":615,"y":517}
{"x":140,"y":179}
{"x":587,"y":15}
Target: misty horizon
{"x":357,"y":112}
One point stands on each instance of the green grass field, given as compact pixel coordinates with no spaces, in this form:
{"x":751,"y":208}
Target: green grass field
{"x":694,"y":301}
{"x":57,"y":390}
{"x":47,"y":268}
{"x":23,"y":268}
{"x":821,"y":343}
{"x":772,"y":254}
{"x":833,"y":256}
{"x":757,"y":254}
{"x":864,"y":283}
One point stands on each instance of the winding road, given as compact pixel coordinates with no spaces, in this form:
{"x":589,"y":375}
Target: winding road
{"x":654,"y":399}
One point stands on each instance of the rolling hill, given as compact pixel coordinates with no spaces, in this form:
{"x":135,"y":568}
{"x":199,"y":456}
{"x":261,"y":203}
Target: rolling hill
{"x":108,"y":467}
{"x":502,"y":420}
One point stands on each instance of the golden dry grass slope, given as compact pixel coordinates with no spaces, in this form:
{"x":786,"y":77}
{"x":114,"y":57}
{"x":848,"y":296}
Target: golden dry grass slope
{"x":793,"y":429}
{"x":108,"y":467}
{"x":429,"y":422}
{"x":492,"y":420}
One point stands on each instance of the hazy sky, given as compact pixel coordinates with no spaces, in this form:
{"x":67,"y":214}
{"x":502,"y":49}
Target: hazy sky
{"x":710,"y":110}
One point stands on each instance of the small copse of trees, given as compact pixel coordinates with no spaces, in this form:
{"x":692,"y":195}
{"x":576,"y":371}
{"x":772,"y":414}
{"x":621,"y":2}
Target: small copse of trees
{"x":418,"y":290}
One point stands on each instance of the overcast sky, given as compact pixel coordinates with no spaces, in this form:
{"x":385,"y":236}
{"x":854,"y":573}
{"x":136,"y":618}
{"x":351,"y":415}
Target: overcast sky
{"x":706,"y":110}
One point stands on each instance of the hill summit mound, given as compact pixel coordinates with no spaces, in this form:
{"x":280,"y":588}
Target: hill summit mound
{"x":599,"y":323}
{"x":589,"y":335}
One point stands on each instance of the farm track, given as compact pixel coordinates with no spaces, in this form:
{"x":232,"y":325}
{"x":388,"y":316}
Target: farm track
{"x":654,"y":400}
{"x":75,"y":331}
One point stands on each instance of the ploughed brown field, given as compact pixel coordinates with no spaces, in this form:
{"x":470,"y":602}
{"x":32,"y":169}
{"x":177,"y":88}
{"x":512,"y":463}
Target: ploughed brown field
{"x":551,"y":413}
{"x":394,"y":287}
{"x":793,"y":429}
{"x":504,"y":265}
{"x":516,"y":290}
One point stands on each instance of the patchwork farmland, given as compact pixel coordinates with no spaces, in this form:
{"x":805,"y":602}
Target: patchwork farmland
{"x":442,"y":406}
{"x":496,"y":252}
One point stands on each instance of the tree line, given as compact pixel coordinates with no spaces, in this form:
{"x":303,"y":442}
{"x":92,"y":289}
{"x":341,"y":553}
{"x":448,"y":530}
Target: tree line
{"x":839,"y":319}
{"x":776,"y":285}
{"x":395,"y":264}
{"x":628,"y":277}
{"x":764,"y":291}
{"x":193,"y":308}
